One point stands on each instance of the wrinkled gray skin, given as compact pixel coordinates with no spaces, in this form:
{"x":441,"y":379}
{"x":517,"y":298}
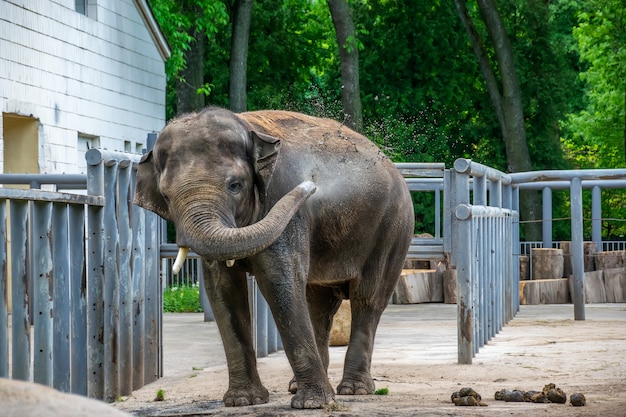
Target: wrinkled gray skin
{"x":314,"y":210}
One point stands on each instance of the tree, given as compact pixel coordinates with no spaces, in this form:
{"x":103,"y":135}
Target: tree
{"x":187,"y":25}
{"x":505,"y":96}
{"x":349,"y":56}
{"x":239,"y":55}
{"x":601,"y":36}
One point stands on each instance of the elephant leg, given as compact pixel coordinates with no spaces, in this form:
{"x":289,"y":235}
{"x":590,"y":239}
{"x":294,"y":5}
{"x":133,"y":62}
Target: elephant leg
{"x":323,"y":303}
{"x":228,"y":294}
{"x":368,"y":299}
{"x":284,"y":287}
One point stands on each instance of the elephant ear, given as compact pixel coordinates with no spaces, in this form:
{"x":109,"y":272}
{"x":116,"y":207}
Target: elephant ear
{"x":147,"y":194}
{"x":265,"y":152}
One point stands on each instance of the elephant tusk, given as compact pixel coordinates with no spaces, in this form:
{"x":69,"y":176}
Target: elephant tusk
{"x":180,"y":259}
{"x":230,"y":262}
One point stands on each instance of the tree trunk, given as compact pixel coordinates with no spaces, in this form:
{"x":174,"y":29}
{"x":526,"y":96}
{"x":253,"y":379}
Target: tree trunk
{"x":192,"y":75}
{"x":349,"y":55}
{"x":239,"y":55}
{"x":507,"y":102}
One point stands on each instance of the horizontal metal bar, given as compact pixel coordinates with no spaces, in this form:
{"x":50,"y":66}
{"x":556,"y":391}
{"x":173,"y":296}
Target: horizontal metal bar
{"x":565,"y":185}
{"x":58,"y":179}
{"x":559,"y":175}
{"x":468,"y":211}
{"x":39,"y":195}
{"x":412,"y":169}
{"x":467,"y":166}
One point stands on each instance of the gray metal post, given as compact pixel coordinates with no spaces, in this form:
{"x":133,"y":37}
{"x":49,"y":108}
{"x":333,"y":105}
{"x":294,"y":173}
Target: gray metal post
{"x":465,"y":309}
{"x":547,"y":217}
{"x":41,"y":264}
{"x":204,"y":298}
{"x":20,"y":321}
{"x":78,"y":295}
{"x":95,"y":278}
{"x":448,"y":190}
{"x":261,"y":324}
{"x":139,"y":287}
{"x":578,"y":273}
{"x":4,"y":292}
{"x":125,"y":278}
{"x":153,"y":325}
{"x":111,"y":286}
{"x":596,"y":217}
{"x":62,"y":299}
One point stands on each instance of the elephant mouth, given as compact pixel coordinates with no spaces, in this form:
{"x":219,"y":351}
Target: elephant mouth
{"x":181,"y":256}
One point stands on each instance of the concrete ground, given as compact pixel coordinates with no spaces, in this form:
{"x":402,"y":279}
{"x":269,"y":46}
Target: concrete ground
{"x":415,"y":357}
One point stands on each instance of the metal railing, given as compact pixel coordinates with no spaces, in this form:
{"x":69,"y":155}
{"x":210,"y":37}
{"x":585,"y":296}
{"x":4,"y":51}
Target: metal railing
{"x":575,"y":181}
{"x":83,"y":271}
{"x":485,"y":231}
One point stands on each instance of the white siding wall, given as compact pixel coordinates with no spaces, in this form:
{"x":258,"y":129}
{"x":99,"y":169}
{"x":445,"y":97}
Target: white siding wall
{"x":101,"y":77}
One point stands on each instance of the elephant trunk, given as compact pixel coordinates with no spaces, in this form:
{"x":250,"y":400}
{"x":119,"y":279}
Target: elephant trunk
{"x":214,"y":240}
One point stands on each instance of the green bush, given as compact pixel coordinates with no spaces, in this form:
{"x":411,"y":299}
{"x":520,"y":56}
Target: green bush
{"x":182,"y":299}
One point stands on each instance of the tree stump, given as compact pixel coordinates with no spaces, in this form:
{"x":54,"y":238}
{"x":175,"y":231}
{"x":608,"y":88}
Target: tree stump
{"x":615,"y":285}
{"x":595,"y":291}
{"x":544,"y":291}
{"x":547,"y":263}
{"x":340,"y":330}
{"x":449,"y":286}
{"x":589,"y":250}
{"x":609,"y":260}
{"x":524,"y":267}
{"x":418,"y":286}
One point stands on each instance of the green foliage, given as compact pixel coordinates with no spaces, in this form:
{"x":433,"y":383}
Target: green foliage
{"x":423,"y":94}
{"x":601,"y":36}
{"x":160,"y":395}
{"x":382,"y":391}
{"x":181,"y":299}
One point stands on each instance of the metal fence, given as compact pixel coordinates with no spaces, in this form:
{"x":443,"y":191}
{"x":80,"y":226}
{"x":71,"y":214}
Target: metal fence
{"x":485,"y":231}
{"x":85,"y":314}
{"x":574,"y":181}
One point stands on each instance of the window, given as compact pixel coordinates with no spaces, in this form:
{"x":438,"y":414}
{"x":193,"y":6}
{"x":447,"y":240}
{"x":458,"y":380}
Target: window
{"x":85,"y":142}
{"x":86,"y":7}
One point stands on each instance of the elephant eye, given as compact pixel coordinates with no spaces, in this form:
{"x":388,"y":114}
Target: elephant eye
{"x":234,"y":187}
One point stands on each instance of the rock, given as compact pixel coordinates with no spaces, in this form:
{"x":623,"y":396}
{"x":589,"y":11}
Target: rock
{"x":21,"y":398}
{"x":577,"y":399}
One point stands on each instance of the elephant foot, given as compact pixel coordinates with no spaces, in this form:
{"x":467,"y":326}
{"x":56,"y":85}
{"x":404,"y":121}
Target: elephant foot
{"x":312,"y":396}
{"x":244,"y":397}
{"x":356,"y":387}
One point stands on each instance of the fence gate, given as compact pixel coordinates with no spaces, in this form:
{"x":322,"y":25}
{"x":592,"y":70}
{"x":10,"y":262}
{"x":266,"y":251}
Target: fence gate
{"x":84,"y":303}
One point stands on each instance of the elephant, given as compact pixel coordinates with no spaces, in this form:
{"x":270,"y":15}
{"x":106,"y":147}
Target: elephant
{"x":313,"y":210}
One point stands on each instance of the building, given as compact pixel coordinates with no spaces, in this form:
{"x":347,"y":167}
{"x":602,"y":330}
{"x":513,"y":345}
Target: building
{"x":76,"y":74}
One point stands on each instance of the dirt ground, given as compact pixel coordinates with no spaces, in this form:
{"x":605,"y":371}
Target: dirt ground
{"x":415,"y":358}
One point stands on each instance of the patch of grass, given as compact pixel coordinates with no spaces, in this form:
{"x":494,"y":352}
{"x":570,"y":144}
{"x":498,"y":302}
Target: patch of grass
{"x":182,"y":299}
{"x":160,"y":395}
{"x":381,"y":391}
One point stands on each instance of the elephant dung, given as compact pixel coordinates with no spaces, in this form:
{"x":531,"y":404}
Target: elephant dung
{"x":340,"y":330}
